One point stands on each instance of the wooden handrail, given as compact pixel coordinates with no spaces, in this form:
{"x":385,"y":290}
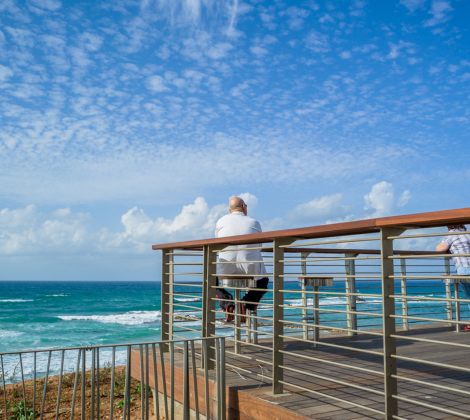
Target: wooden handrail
{"x":296,"y":250}
{"x":411,"y":221}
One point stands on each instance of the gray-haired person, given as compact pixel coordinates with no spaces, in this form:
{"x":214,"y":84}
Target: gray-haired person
{"x":458,"y":244}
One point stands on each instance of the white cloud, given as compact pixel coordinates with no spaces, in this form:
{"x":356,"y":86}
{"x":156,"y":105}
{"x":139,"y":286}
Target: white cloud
{"x":26,"y":91}
{"x":326,"y":18}
{"x":317,"y":42}
{"x":250,"y":200}
{"x":90,"y":41}
{"x":380,"y":200}
{"x":345,"y":55}
{"x":5,"y":73}
{"x":324,"y":210}
{"x":296,"y":17}
{"x":198,"y":14}
{"x":163,"y":52}
{"x":404,"y":198}
{"x":259,"y":51}
{"x":22,"y":37}
{"x":412,"y":5}
{"x":318,"y":210}
{"x":395,"y":48}
{"x":365,"y":48}
{"x":54,"y":43}
{"x":219,"y":50}
{"x":202,"y":46}
{"x":267,"y":20}
{"x":235,"y":8}
{"x":157,"y":84}
{"x":79,"y":57}
{"x":269,"y":39}
{"x":12,"y":219}
{"x":195,"y":221}
{"x":439,"y":10}
{"x":27,"y":232}
{"x":51,"y":5}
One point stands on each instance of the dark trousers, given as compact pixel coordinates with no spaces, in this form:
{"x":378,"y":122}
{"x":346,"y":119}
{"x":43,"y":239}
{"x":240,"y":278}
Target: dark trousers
{"x":253,"y":295}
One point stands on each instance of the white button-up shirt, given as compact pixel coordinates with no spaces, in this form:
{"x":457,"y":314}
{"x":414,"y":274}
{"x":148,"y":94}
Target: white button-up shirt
{"x":234,"y":224}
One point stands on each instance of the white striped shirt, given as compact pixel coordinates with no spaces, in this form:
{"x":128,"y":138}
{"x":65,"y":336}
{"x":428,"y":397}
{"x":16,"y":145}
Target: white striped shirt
{"x":459,"y":244}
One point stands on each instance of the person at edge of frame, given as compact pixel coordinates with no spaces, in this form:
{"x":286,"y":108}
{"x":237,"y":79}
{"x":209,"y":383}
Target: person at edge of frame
{"x":458,"y":244}
{"x":239,"y":223}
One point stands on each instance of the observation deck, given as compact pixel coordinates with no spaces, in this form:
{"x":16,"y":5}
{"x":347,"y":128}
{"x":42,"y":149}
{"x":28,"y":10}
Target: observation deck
{"x":384,"y":341}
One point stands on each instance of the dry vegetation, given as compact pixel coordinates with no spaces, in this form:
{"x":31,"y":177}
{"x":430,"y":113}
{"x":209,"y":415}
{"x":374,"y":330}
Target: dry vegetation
{"x":15,"y":404}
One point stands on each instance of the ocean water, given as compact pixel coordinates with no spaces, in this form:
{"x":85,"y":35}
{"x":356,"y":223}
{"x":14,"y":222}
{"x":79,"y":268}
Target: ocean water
{"x":63,"y":314}
{"x":41,"y":315}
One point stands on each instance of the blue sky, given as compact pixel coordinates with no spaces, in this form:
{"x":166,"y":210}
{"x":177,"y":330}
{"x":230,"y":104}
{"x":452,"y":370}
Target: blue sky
{"x":127,"y":123}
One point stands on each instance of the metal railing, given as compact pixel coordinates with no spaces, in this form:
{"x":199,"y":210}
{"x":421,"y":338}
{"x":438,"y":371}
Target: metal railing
{"x":113,"y":381}
{"x":378,"y":294}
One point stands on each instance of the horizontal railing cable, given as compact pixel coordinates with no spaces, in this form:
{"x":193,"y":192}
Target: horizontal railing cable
{"x":432,"y":407}
{"x":342,"y":365}
{"x":331,"y":397}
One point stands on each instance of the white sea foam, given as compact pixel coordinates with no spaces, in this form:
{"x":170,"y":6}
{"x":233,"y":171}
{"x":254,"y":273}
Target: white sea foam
{"x":16,"y":300}
{"x":188,"y":299}
{"x":60,"y":294}
{"x":70,"y":361}
{"x":5,"y":334}
{"x":128,"y":318}
{"x":189,"y":324}
{"x":323,"y":302}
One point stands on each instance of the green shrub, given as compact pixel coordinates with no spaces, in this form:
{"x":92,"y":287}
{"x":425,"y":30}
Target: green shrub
{"x":18,"y":410}
{"x":120,"y":404}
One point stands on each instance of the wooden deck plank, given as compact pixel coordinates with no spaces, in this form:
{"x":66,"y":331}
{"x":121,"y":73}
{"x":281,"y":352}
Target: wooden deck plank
{"x":247,"y":398}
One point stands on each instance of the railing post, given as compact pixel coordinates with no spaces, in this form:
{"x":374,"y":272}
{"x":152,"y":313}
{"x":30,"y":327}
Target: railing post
{"x":237,"y":321}
{"x":389,"y":325}
{"x":458,"y":326}
{"x":303,"y":266}
{"x":222,"y":380}
{"x":350,"y":268}
{"x":316,"y":315}
{"x":166,"y":313}
{"x":254,"y":323}
{"x":171,"y":296}
{"x":208,"y":304}
{"x":249,"y":325}
{"x":404,"y":302}
{"x":278,"y":313}
{"x":450,"y":315}
{"x":186,"y":392}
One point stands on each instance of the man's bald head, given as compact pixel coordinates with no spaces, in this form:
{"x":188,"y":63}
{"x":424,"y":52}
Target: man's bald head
{"x":237,"y":204}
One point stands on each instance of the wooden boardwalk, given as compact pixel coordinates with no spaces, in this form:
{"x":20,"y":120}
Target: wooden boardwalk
{"x":248,"y":393}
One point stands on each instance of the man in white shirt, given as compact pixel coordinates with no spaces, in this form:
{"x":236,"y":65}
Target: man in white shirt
{"x":239,"y":223}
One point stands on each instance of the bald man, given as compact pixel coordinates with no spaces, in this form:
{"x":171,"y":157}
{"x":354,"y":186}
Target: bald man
{"x":239,"y":223}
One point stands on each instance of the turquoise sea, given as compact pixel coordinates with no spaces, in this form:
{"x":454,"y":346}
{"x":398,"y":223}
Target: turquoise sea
{"x":41,"y":315}
{"x":59,"y":314}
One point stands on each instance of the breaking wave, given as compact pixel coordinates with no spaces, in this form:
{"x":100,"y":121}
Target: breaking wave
{"x":188,"y":299}
{"x":128,"y":318}
{"x":16,"y":300}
